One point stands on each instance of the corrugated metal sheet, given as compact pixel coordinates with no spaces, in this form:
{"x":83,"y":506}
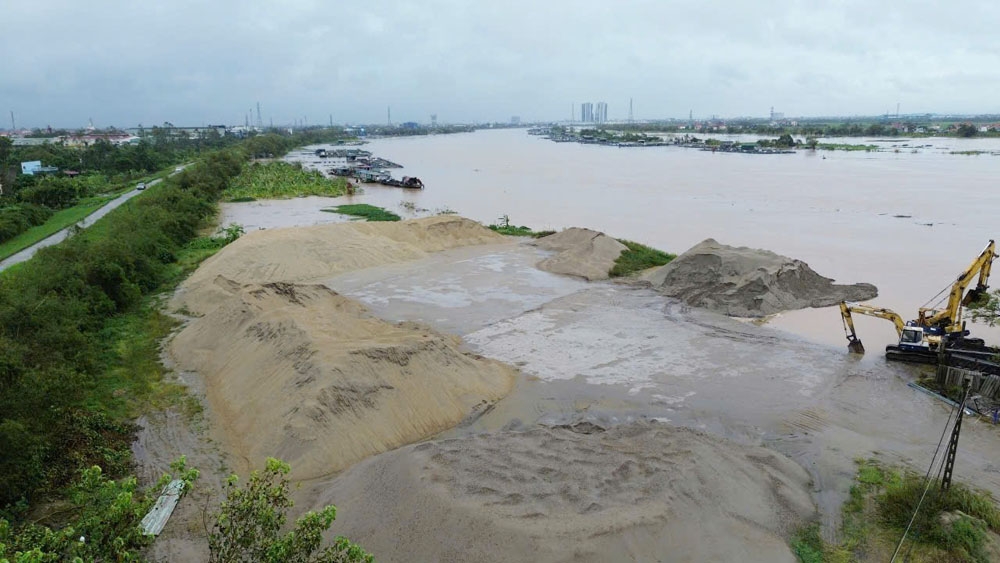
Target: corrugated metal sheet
{"x":153,"y":522}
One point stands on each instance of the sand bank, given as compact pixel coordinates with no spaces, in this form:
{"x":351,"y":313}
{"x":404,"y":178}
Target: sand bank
{"x":302,"y":373}
{"x":580,"y":252}
{"x":748,"y":282}
{"x":638,"y":492}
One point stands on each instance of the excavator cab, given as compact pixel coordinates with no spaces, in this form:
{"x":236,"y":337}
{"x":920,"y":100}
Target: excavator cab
{"x":911,"y":339}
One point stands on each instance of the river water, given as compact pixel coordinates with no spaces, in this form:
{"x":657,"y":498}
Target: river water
{"x":908,"y":218}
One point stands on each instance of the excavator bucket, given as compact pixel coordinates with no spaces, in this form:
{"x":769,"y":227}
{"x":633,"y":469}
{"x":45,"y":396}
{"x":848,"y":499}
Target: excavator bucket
{"x":855,"y":346}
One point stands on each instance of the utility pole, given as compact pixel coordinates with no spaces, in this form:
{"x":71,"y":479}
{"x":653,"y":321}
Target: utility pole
{"x":949,"y":464}
{"x":260,"y":123}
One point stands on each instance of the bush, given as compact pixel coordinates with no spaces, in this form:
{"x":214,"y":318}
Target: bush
{"x":106,"y":527}
{"x":50,"y":191}
{"x":248,"y":525}
{"x":16,"y":219}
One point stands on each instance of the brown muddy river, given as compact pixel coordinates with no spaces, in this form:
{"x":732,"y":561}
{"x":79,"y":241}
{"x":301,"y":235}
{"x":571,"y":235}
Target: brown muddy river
{"x":907,"y":221}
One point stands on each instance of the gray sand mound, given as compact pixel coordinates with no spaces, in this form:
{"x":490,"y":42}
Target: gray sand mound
{"x":747,"y":282}
{"x":302,"y":373}
{"x":639,"y":492}
{"x":581,"y":252}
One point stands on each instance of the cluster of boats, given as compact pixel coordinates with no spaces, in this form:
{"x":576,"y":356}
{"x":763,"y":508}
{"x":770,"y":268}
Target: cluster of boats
{"x":374,"y":176}
{"x":362,"y":166}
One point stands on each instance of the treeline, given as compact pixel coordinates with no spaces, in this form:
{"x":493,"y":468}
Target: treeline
{"x":53,"y":311}
{"x":816,"y":129}
{"x":56,"y":308}
{"x":29,"y":200}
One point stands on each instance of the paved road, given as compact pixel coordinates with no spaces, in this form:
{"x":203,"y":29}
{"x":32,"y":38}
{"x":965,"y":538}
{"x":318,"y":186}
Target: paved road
{"x":60,"y":236}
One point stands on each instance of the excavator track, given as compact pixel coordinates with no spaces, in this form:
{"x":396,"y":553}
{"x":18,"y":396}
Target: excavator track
{"x":976,"y":358}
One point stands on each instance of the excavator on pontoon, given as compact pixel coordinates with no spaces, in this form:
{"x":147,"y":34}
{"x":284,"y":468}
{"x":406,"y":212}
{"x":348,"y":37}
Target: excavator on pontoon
{"x":920,"y":339}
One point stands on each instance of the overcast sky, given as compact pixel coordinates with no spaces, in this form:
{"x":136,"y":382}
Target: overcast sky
{"x":198,"y":62}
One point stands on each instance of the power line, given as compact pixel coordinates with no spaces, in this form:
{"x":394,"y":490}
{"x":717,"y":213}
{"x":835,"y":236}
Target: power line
{"x":927,"y":477}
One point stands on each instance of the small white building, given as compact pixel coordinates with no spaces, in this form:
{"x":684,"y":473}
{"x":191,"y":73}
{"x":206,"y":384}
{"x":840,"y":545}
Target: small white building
{"x":31,"y":167}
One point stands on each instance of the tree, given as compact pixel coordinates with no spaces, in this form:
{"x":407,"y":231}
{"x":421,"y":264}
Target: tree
{"x":967,"y":130}
{"x":785,"y":140}
{"x":248,"y":525}
{"x":6,"y":147}
{"x":987,"y":308}
{"x":106,"y":527}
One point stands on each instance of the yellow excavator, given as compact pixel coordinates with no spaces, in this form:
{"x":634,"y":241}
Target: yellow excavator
{"x":919,"y":339}
{"x":912,"y":334}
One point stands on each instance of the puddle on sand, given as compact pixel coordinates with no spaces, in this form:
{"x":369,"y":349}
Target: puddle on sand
{"x":458,"y":291}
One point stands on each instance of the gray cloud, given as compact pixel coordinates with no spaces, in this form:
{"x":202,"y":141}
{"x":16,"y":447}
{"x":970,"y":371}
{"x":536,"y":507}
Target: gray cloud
{"x":195,"y":62}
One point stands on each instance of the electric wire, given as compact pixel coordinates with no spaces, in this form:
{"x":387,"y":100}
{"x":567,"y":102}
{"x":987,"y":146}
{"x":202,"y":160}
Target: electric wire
{"x":927,"y":479}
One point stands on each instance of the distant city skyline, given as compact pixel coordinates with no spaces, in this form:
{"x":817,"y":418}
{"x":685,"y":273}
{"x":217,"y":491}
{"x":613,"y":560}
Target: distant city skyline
{"x":194,"y":63}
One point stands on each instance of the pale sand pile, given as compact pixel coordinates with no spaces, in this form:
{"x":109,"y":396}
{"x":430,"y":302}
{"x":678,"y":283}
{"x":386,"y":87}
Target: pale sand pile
{"x":638,"y":492}
{"x":310,"y":253}
{"x":301,"y":373}
{"x":581,"y":252}
{"x":747,"y":282}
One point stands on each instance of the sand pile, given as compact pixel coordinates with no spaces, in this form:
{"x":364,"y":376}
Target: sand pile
{"x":310,"y":253}
{"x":581,"y":252}
{"x":747,"y":282}
{"x":639,"y":492}
{"x":304,"y":374}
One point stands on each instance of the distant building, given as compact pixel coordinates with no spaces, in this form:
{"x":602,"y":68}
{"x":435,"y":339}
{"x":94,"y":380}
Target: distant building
{"x":602,"y":112}
{"x":33,"y":167}
{"x":515,"y":120}
{"x":587,"y":112}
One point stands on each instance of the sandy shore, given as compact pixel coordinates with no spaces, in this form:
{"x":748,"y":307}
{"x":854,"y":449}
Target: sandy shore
{"x":306,"y":343}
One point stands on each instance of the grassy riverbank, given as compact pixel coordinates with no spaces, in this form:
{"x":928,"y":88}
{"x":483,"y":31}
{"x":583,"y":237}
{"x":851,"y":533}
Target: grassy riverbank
{"x":281,"y":180}
{"x":365,"y":211}
{"x":638,"y":257}
{"x":78,"y":332}
{"x":958,"y":525}
{"x":846,"y":147}
{"x":522,"y":231}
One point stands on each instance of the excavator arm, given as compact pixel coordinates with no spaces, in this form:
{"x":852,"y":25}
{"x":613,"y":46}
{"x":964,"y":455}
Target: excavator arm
{"x":853,"y":342}
{"x":951,"y":317}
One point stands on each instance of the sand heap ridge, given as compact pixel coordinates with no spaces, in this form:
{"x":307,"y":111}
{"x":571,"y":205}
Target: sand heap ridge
{"x":581,"y":252}
{"x":302,"y":373}
{"x":747,"y":282}
{"x":312,"y":253}
{"x":639,"y":492}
